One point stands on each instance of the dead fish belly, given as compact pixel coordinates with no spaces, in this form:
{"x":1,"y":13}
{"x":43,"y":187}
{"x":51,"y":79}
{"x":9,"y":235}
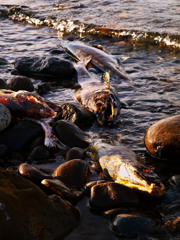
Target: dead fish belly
{"x":127,"y":171}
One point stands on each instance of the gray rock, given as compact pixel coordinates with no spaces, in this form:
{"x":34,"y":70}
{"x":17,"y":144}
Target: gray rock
{"x":127,"y":225}
{"x":5,"y":117}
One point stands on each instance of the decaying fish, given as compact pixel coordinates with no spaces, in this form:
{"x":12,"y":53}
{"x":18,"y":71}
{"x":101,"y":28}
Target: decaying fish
{"x":99,"y":98}
{"x":123,"y":166}
{"x":27,"y":104}
{"x":50,"y":139}
{"x":100,"y":59}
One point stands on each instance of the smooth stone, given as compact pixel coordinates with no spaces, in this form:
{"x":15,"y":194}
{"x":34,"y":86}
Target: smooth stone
{"x":32,"y":173}
{"x":39,"y":153}
{"x":3,"y":84}
{"x":75,"y":153}
{"x":76,"y":114}
{"x":162,"y":139}
{"x":26,"y":212}
{"x":21,"y":135}
{"x":70,"y":134}
{"x":73,"y":173}
{"x":111,"y":195}
{"x":127,"y":225}
{"x":5,"y":117}
{"x":17,"y":83}
{"x":48,"y":68}
{"x":62,"y":190}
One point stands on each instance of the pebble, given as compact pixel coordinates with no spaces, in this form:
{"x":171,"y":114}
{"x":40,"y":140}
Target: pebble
{"x":162,"y":139}
{"x":32,"y":173}
{"x":127,"y":225}
{"x":73,"y":173}
{"x":75,"y":153}
{"x":39,"y":153}
{"x":111,"y":195}
{"x":70,"y":134}
{"x":5,"y":117}
{"x":17,"y":83}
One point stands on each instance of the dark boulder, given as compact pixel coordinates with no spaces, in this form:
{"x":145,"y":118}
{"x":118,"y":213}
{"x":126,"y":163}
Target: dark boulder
{"x":17,"y":83}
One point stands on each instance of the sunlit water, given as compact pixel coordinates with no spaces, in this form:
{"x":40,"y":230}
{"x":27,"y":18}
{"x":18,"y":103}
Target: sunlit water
{"x":154,"y":68}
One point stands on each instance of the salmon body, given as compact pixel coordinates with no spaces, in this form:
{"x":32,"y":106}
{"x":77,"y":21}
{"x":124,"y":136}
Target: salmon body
{"x":121,"y":164}
{"x":100,"y":59}
{"x":26,"y":103}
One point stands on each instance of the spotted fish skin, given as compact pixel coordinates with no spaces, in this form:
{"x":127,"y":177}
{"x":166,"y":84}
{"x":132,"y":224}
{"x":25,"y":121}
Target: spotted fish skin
{"x":26,"y":103}
{"x":100,"y":59}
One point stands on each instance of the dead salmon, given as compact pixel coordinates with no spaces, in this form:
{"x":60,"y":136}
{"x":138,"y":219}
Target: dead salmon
{"x":97,"y":96}
{"x":122,"y":165}
{"x":27,"y":104}
{"x":100,"y":59}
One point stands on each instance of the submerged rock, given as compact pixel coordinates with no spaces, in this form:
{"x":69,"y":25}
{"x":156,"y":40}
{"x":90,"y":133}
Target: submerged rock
{"x":19,"y":136}
{"x":70,"y":134}
{"x":127,"y":225}
{"x":162,"y":139}
{"x":48,"y":68}
{"x":5,"y":117}
{"x":74,"y":173}
{"x":28,"y":213}
{"x":17,"y":83}
{"x":112,"y":195}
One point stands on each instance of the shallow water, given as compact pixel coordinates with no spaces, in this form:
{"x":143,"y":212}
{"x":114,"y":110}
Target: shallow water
{"x":145,"y":33}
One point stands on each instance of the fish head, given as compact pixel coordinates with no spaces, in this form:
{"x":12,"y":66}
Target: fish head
{"x":106,"y":106}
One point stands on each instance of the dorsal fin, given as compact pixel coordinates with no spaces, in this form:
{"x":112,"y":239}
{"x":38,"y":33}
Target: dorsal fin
{"x":106,"y":78}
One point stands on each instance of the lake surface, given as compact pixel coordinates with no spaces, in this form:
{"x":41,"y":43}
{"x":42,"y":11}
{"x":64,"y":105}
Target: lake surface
{"x":144,"y":35}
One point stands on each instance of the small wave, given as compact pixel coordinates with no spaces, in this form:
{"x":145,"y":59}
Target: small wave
{"x":65,"y":26}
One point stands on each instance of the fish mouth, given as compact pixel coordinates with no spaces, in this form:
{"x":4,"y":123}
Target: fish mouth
{"x":108,"y":114}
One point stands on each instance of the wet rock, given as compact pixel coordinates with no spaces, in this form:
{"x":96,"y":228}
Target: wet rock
{"x":43,"y":88}
{"x":17,"y":83}
{"x":173,"y":224}
{"x":3,"y":150}
{"x":3,"y":61}
{"x":39,"y":153}
{"x":28,"y":213}
{"x":76,"y":114}
{"x":70,"y":134}
{"x":5,"y":117}
{"x":20,"y":136}
{"x":162,"y":139}
{"x":73,"y":173}
{"x":3,"y":84}
{"x":112,"y":195}
{"x":47,"y":68}
{"x":61,"y":189}
{"x":75,"y":153}
{"x":127,"y":225}
{"x":32,"y":173}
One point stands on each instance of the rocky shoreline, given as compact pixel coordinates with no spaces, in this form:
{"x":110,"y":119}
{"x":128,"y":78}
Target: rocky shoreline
{"x":37,"y":204}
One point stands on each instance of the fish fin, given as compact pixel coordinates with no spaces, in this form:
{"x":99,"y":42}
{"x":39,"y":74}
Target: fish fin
{"x":85,"y":61}
{"x":106,"y":78}
{"x":64,"y":45}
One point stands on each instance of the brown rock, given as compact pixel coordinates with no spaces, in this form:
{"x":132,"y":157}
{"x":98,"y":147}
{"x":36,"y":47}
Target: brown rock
{"x":26,"y":212}
{"x":74,"y":173}
{"x":32,"y":173}
{"x":162,"y":139}
{"x":75,"y":153}
{"x":112,"y":195}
